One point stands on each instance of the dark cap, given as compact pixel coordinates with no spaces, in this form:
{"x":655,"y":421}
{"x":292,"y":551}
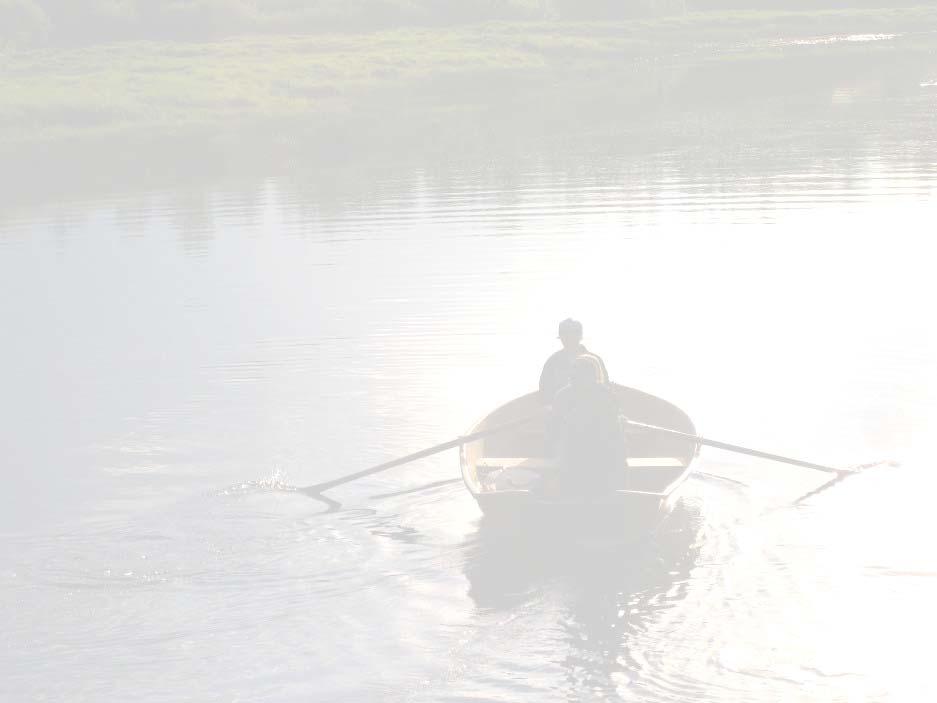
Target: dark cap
{"x":570,"y":328}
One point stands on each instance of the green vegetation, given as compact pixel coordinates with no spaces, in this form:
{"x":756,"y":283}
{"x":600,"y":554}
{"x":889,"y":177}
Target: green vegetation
{"x":143,"y":114}
{"x":168,"y":87}
{"x":32,"y":23}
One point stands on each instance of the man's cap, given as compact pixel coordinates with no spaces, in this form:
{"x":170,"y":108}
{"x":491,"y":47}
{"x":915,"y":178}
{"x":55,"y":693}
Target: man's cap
{"x":570,"y":327}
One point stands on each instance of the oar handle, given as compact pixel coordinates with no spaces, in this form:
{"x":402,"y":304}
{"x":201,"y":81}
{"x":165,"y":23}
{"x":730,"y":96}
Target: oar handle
{"x":458,"y":441}
{"x":737,"y":448}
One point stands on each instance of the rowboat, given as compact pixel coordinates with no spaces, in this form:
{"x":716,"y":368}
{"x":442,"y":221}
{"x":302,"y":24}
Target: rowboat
{"x":508,"y":473}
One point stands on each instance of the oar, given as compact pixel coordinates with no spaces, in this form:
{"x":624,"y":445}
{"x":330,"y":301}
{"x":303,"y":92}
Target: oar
{"x":741,"y":450}
{"x":418,"y":489}
{"x":318,"y":488}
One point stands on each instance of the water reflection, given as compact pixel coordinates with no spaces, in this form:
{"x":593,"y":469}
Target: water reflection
{"x":606,"y":588}
{"x":739,"y":155}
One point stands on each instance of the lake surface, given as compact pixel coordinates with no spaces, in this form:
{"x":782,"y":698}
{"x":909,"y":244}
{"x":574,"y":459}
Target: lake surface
{"x":175,"y":361}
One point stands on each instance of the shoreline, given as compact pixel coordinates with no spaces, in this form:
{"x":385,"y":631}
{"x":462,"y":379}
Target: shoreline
{"x":167,"y":87}
{"x":142,"y":114}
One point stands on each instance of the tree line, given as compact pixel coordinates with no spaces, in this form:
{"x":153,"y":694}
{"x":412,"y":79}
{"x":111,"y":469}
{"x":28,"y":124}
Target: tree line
{"x":29,"y":23}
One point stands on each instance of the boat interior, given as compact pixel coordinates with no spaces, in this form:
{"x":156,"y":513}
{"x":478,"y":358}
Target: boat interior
{"x":516,"y":460}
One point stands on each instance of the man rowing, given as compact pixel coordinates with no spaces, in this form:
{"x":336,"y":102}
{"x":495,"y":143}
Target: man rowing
{"x":585,"y":429}
{"x":557,"y":372}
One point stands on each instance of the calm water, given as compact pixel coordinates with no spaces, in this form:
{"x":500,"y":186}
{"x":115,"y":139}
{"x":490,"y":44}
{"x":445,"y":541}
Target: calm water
{"x":172,"y":361}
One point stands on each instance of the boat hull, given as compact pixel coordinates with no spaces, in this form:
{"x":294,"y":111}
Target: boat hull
{"x":610,"y":513}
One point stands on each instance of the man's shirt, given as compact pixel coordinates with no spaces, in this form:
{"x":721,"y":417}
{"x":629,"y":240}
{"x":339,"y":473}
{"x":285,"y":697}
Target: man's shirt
{"x":557,"y":371}
{"x":585,"y":434}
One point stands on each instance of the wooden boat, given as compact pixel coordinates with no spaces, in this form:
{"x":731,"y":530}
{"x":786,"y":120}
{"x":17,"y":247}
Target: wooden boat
{"x":509,"y":473}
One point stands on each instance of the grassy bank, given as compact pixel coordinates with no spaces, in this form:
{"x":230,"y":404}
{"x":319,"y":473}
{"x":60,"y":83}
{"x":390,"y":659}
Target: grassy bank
{"x":138,"y":115}
{"x":169,"y":87}
{"x":84,"y":22}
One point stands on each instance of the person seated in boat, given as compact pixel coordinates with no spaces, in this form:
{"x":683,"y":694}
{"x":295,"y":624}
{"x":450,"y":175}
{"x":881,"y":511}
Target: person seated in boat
{"x":585,"y":429}
{"x":557,"y":371}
